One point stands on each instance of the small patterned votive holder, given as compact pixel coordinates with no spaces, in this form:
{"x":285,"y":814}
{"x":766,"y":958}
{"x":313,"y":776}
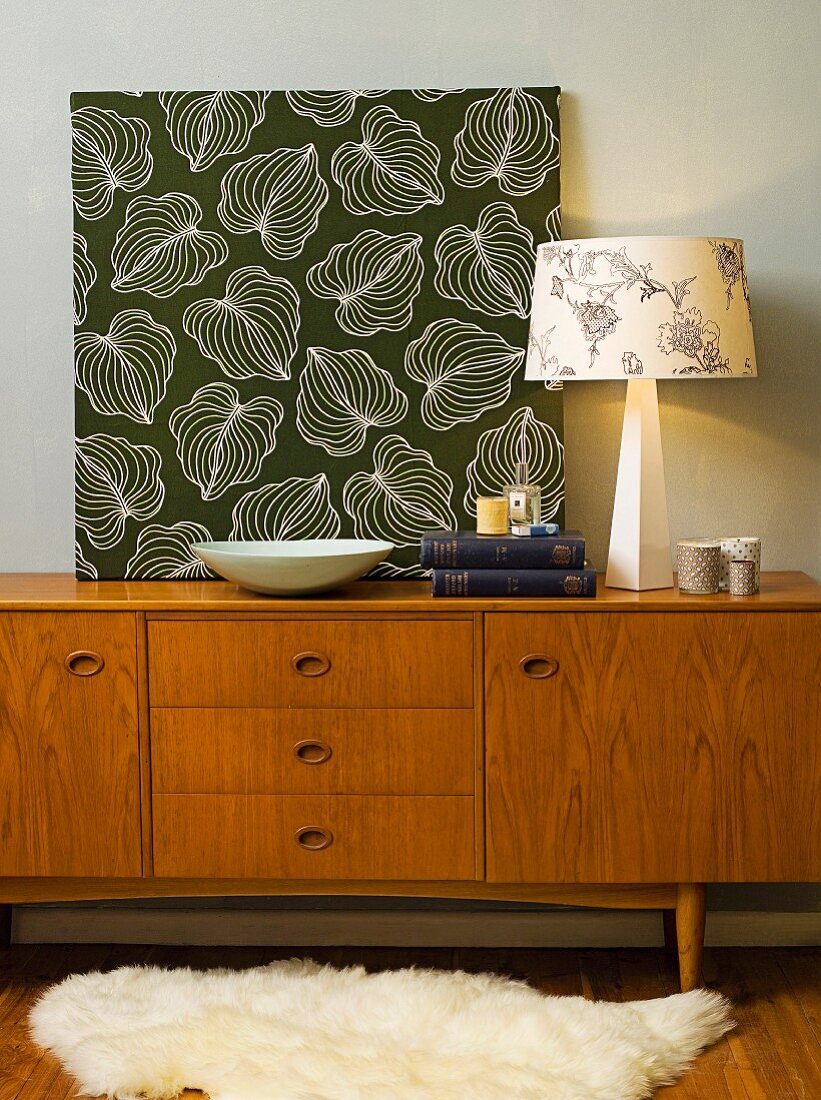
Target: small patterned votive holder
{"x":739,"y":548}
{"x":699,"y":563}
{"x":742,"y":578}
{"x":492,"y":516}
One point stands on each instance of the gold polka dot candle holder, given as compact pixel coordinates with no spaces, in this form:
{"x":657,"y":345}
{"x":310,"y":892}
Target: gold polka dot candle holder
{"x":699,"y":565}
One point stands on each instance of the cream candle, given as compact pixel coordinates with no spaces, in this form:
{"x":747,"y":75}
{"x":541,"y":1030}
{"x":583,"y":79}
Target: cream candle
{"x":491,"y":516}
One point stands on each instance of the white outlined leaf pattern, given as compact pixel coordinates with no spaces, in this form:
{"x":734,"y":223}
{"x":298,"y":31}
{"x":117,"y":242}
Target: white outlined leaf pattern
{"x":297,"y":508}
{"x":346,"y":305}
{"x":553,"y":224}
{"x":330,"y":108}
{"x":522,"y":438}
{"x":394,"y":170}
{"x":278,"y":195}
{"x":489,"y":268}
{"x":341,"y":395}
{"x":161,"y":248}
{"x":405,"y":495}
{"x":85,"y":275}
{"x":204,"y":126}
{"x":84,"y":569}
{"x":164,"y":553}
{"x":222,"y":441}
{"x":114,"y":480}
{"x":507,"y":138}
{"x":432,"y":95}
{"x":126,"y":372}
{"x":375,"y":278}
{"x":253,"y":329}
{"x":464,"y":369}
{"x":108,"y":153}
{"x":387,"y":571}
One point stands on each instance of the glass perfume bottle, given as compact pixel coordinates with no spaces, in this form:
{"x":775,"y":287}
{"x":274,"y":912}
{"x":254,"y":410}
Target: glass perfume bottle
{"x":524,"y":499}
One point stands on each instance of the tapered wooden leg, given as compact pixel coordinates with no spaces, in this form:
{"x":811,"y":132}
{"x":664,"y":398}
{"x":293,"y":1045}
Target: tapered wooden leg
{"x":5,"y":926}
{"x":690,"y":915}
{"x":668,"y":917}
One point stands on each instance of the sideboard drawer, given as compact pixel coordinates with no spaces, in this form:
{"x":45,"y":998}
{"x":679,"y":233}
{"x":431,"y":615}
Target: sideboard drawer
{"x":311,"y":663}
{"x":310,"y":837}
{"x":345,"y":751}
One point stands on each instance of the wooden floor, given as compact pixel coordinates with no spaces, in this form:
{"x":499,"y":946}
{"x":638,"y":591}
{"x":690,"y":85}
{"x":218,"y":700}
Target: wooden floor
{"x":773,"y":1053}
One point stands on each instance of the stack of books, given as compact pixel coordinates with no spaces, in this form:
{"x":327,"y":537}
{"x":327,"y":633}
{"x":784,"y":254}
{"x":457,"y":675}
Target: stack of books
{"x":467,"y":564}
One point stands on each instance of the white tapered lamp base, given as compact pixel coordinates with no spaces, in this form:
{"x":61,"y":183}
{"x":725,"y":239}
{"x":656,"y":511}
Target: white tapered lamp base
{"x":640,"y":535}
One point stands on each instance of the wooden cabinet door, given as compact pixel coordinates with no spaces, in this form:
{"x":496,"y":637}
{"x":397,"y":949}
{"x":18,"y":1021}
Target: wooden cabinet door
{"x":668,"y":747}
{"x":69,"y":768}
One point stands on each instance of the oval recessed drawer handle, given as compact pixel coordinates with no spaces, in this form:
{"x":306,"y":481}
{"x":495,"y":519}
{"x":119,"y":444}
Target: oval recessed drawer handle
{"x":82,"y":662}
{"x":538,"y":666}
{"x":311,"y":664}
{"x":313,"y":838}
{"x":312,"y":752}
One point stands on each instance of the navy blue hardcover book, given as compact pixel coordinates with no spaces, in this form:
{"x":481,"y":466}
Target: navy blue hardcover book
{"x":467,"y":550}
{"x":514,"y":582}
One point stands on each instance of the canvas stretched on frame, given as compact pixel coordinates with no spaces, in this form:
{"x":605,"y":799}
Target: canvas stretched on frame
{"x":304,"y":314}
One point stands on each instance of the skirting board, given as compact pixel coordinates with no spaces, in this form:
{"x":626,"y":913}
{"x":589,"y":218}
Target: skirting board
{"x":304,"y":928}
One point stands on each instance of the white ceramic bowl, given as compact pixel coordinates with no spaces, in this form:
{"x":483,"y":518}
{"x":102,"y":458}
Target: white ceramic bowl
{"x":296,"y":568}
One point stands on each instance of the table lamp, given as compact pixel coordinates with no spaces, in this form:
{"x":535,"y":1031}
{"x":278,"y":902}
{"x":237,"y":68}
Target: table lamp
{"x":640,"y":308}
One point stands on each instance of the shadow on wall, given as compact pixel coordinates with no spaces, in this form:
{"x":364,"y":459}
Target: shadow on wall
{"x":737,"y":454}
{"x":774,"y":417}
{"x":574,"y":189}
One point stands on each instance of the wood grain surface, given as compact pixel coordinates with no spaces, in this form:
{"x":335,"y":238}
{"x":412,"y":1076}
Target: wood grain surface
{"x":672,"y":741}
{"x":772,"y":1054}
{"x":374,"y":836}
{"x":144,"y":723}
{"x":69,"y":767}
{"x":55,"y":591}
{"x":235,"y":751}
{"x":678,"y":748}
{"x":689,"y":940}
{"x":618,"y":896}
{"x":373,"y":663}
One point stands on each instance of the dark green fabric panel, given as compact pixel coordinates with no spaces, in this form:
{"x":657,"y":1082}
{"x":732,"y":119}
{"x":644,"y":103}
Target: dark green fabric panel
{"x":197,"y":421}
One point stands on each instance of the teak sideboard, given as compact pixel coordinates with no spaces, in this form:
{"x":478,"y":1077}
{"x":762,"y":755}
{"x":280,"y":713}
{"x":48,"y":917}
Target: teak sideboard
{"x":190,"y":738}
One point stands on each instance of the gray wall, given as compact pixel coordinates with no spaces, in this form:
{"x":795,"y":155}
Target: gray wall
{"x":692,"y":117}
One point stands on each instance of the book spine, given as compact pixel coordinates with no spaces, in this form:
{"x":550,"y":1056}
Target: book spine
{"x":507,"y":553}
{"x":573,"y":583}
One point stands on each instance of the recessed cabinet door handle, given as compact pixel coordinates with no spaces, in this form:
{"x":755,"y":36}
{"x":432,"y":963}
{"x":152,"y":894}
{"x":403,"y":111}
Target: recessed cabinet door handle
{"x":311,"y":664}
{"x":313,"y":838}
{"x":312,"y":752}
{"x":538,"y":666}
{"x":83,"y":662}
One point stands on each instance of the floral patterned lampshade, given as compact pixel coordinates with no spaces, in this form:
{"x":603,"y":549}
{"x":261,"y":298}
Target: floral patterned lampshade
{"x":653,"y":307}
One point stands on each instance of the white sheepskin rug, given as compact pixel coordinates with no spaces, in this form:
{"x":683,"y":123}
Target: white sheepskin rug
{"x":299,"y":1031}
